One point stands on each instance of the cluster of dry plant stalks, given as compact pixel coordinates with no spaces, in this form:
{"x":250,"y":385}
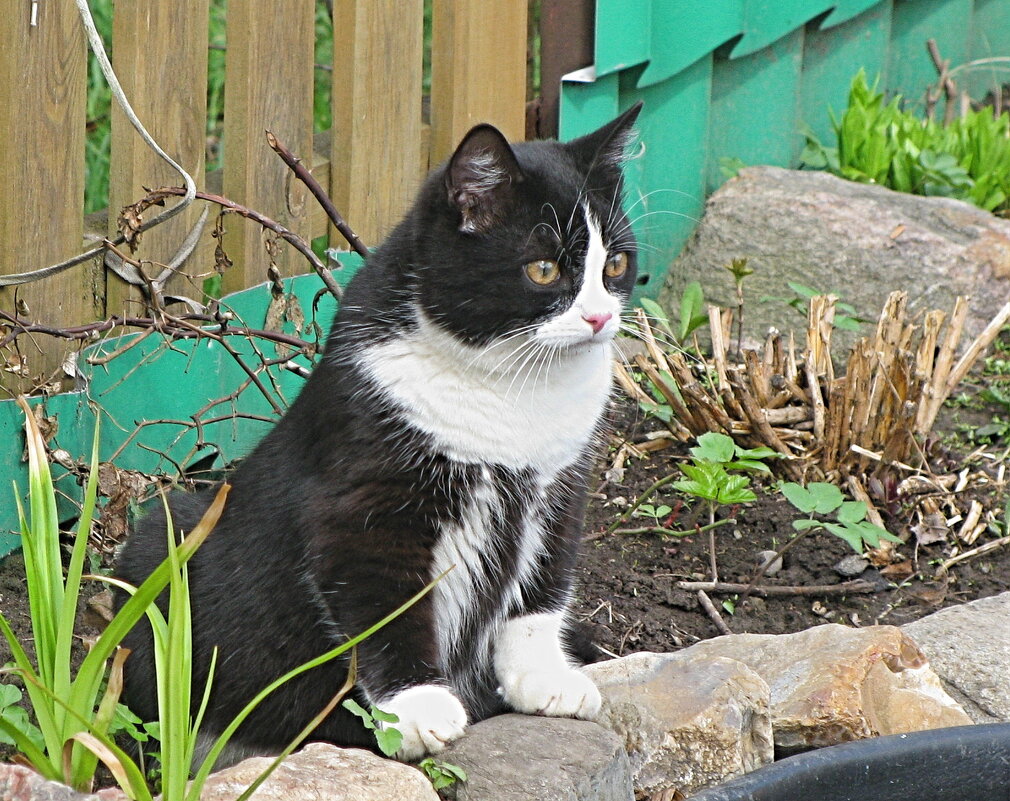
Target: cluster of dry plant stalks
{"x":871,"y":423}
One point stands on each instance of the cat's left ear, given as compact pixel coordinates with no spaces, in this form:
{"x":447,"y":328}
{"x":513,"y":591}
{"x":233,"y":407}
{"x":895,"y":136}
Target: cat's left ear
{"x":481,"y":178}
{"x":604,"y":149}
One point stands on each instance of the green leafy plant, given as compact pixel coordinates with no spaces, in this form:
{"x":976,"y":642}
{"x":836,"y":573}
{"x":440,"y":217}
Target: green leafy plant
{"x":850,"y":523}
{"x":717,"y":476}
{"x":441,"y":774}
{"x":388,"y":737}
{"x":59,"y":700}
{"x":877,"y":142}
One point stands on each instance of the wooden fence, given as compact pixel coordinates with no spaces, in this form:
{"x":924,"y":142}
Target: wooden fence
{"x":372,"y":160}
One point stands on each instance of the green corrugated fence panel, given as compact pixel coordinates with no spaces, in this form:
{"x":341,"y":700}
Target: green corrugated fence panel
{"x":845,"y":10}
{"x":144,"y":391}
{"x":768,"y":21}
{"x":910,"y":69}
{"x":790,"y":60}
{"x":990,"y":38}
{"x":622,"y":35}
{"x":666,"y":192}
{"x":679,"y":35}
{"x":754,"y":106}
{"x":828,"y":56}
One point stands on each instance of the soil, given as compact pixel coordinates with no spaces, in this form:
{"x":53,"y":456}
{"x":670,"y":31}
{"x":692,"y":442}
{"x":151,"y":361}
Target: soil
{"x":628,"y":595}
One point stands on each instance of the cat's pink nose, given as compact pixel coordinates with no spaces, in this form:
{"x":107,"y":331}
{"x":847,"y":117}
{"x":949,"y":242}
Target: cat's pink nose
{"x":597,"y":321}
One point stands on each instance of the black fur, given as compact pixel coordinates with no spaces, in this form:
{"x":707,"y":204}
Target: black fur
{"x":332,"y":519}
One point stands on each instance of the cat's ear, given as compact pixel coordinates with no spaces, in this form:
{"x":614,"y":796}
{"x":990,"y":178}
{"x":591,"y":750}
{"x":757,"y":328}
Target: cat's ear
{"x":604,"y":149}
{"x":481,"y":178}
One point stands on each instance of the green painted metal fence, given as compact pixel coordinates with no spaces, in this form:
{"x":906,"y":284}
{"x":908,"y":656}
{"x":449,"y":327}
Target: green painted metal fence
{"x":147,"y":395}
{"x":735,"y":78}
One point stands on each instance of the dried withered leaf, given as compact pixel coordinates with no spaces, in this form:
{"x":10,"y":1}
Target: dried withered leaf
{"x":931,"y":528}
{"x":898,"y":571}
{"x":129,"y":221}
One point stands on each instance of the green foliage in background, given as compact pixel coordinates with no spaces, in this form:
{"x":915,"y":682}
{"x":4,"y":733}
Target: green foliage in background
{"x":880,"y":143}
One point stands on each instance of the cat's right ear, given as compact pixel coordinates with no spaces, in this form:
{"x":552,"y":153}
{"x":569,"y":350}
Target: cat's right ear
{"x":481,"y":178}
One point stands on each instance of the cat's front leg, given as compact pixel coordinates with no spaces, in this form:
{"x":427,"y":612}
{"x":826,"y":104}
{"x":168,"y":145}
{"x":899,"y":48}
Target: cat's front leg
{"x":534,"y":672}
{"x":430,"y":717}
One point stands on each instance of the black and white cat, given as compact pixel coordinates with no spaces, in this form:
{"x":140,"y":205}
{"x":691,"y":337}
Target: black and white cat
{"x":451,"y":423}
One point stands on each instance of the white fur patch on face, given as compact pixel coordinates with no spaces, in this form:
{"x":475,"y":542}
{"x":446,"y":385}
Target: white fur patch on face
{"x":534,"y":673}
{"x":595,"y":314}
{"x":430,"y":716}
{"x":517,"y":403}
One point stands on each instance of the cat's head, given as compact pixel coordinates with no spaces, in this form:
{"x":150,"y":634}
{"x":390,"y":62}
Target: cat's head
{"x":527,"y":240}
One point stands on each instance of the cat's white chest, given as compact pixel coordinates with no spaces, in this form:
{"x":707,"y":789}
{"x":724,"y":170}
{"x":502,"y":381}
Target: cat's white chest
{"x":537,"y":414}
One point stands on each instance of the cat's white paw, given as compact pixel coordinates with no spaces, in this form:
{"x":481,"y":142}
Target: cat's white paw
{"x":563,"y":693}
{"x":430,"y":718}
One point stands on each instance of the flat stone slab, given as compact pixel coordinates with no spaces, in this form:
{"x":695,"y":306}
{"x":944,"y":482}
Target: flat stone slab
{"x":969,"y":648}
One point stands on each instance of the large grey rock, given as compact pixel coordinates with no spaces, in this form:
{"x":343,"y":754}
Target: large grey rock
{"x":323,"y":771}
{"x":969,"y":648}
{"x":831,"y":684}
{"x":687,"y":722}
{"x":19,"y":783}
{"x":860,"y":241}
{"x":526,"y":758}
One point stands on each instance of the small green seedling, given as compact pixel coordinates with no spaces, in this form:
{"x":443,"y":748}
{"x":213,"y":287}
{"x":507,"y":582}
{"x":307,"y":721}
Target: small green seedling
{"x":850,"y":524}
{"x":654,"y":513}
{"x":441,"y":774}
{"x":388,"y":738}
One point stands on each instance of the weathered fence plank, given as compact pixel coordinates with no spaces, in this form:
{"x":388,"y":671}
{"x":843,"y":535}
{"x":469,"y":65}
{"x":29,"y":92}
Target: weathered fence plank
{"x":160,"y":56}
{"x":375,"y":163}
{"x":268,"y":73}
{"x":478,"y":70}
{"x":42,"y":94}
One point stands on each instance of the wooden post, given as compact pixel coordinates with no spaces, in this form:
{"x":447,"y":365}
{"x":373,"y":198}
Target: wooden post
{"x":160,"y":56}
{"x":269,"y":78}
{"x":374,"y":165}
{"x":478,"y":70}
{"x":42,"y":94}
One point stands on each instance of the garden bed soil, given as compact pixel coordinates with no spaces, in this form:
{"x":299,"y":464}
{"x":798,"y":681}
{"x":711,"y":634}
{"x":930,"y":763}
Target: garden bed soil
{"x":628,"y":599}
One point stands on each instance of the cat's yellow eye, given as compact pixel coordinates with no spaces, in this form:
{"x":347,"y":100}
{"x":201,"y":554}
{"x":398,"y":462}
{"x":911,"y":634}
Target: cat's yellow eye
{"x":543,"y":272}
{"x":616,"y":266}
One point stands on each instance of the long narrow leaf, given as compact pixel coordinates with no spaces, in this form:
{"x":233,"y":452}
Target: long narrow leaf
{"x":90,"y":673}
{"x":82,"y":762}
{"x":352,"y":673}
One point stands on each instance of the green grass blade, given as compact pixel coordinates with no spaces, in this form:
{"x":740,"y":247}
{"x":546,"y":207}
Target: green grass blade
{"x":90,"y":673}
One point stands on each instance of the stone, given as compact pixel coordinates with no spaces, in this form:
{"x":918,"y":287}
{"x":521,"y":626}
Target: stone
{"x":20,"y":783}
{"x":529,"y":758}
{"x":852,"y":565}
{"x":832,"y":684}
{"x":321,"y":770}
{"x":687,"y":722}
{"x":969,"y":648}
{"x":860,"y":241}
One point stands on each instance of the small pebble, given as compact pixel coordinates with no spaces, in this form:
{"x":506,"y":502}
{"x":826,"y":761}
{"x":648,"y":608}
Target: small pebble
{"x":765,"y":556}
{"x":851,"y":566}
